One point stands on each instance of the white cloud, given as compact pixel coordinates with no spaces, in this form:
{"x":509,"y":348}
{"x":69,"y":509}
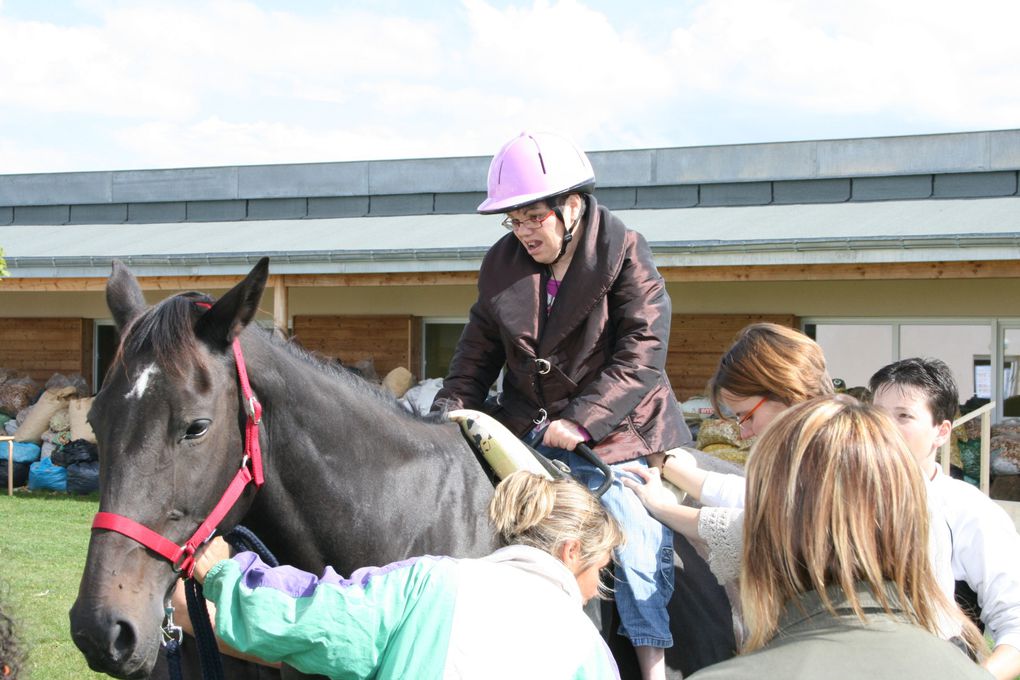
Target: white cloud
{"x":563,"y":65}
{"x":165,"y":84}
{"x":16,"y":157}
{"x":220,"y":142}
{"x":933,"y":60}
{"x":170,"y":61}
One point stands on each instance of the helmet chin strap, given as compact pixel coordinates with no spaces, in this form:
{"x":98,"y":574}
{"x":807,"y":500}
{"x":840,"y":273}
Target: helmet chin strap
{"x":567,"y":237}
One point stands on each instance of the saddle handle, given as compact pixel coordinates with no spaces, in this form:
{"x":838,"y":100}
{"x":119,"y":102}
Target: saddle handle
{"x":585,"y":452}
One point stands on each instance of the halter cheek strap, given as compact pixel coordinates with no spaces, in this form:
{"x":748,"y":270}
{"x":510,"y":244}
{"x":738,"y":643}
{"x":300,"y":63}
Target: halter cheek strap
{"x":182,"y":557}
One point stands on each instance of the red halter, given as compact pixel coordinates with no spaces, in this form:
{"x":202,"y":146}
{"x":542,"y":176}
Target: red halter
{"x":182,"y":557}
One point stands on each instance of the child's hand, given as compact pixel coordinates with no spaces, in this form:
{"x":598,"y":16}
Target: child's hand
{"x":653,"y":495}
{"x":208,"y":556}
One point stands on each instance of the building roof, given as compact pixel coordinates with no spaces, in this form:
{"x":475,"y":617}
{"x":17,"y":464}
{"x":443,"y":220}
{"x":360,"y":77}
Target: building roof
{"x":919,"y":198}
{"x":886,"y":231}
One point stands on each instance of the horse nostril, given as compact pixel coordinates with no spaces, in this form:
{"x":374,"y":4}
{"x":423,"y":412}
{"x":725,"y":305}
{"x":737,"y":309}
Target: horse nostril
{"x":123,"y":640}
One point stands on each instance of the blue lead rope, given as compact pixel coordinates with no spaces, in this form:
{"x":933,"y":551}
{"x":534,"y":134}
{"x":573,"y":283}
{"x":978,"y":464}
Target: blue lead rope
{"x":242,"y":539}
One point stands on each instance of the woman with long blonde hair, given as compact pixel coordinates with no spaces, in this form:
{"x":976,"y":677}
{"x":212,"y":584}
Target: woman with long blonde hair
{"x":835,"y":579}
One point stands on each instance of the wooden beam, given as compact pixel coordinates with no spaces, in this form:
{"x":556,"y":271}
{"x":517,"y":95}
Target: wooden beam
{"x":85,"y":284}
{"x":281,"y":312}
{"x":205,"y":283}
{"x":984,"y":269}
{"x":391,"y":279}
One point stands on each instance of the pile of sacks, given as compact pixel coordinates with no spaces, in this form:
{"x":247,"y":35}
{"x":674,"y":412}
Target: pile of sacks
{"x":52,"y":436}
{"x":720,"y":438}
{"x":1005,"y":445}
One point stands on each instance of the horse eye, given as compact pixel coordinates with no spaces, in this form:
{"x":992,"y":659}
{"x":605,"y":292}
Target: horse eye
{"x":197,"y":428}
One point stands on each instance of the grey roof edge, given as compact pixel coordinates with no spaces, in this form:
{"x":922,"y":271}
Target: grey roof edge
{"x":875,"y":249}
{"x":958,"y":152}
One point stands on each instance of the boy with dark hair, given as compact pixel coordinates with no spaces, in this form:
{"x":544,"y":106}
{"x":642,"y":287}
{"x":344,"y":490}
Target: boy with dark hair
{"x":921,"y":397}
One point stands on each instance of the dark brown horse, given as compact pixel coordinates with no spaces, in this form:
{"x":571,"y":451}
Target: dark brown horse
{"x":350,"y":478}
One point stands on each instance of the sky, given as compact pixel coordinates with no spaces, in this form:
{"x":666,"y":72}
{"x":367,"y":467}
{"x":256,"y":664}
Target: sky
{"x":117,"y":85}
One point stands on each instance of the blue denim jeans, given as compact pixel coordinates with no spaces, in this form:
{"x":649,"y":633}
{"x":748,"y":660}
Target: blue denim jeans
{"x":644,"y":564}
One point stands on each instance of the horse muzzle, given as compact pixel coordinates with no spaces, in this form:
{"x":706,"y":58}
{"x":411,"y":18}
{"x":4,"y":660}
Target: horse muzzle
{"x":111,"y":642}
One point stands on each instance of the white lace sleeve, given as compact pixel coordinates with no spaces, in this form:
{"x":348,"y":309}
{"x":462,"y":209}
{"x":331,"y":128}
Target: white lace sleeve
{"x":722,"y":530}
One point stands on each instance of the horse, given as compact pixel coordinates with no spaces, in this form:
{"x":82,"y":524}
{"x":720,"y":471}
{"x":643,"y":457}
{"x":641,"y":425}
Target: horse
{"x":349,"y":478}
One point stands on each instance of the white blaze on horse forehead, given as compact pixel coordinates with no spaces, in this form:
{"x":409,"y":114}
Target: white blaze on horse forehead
{"x":142,"y":382}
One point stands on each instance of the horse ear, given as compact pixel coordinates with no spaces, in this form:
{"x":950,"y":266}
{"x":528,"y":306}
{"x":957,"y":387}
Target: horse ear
{"x":123,"y":296}
{"x":234,"y":311}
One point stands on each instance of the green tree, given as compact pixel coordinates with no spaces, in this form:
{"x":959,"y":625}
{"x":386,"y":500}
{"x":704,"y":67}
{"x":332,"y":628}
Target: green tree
{"x":3,"y":265}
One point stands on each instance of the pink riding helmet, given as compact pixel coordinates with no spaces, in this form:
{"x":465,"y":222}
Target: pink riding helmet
{"x":533,"y":166}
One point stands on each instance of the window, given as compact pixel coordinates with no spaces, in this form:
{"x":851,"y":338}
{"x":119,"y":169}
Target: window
{"x":959,"y":345}
{"x":984,"y":354}
{"x":853,"y":352}
{"x":106,"y":340}
{"x":439,"y":340}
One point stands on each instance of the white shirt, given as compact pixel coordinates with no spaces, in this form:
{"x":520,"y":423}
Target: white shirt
{"x":985,"y":553}
{"x":723,"y":490}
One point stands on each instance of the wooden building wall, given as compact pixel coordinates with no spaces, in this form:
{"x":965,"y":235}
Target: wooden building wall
{"x":42,"y":347}
{"x":390,"y":340}
{"x":697,"y":341}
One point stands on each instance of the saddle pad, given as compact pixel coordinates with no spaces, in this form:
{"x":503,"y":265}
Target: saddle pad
{"x":504,"y":452}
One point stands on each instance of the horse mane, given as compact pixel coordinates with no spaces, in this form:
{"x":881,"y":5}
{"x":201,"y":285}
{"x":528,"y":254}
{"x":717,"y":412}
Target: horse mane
{"x":167,"y":331}
{"x":361,"y":386}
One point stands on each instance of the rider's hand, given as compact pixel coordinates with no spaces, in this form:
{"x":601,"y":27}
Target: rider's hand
{"x":208,"y":556}
{"x":653,"y":495}
{"x":563,"y":434}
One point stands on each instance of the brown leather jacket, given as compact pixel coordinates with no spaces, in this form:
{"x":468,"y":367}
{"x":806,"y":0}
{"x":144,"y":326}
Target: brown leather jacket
{"x":605,"y":343}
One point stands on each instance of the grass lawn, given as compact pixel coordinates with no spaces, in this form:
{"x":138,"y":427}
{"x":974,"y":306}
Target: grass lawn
{"x":43,"y":540}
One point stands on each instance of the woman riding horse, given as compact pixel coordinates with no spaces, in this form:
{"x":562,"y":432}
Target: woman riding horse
{"x":570,"y":302}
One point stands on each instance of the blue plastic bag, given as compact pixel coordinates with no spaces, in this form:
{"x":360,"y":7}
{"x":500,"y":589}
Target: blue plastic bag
{"x":45,"y":476}
{"x":24,"y":452}
{"x":83,"y":477}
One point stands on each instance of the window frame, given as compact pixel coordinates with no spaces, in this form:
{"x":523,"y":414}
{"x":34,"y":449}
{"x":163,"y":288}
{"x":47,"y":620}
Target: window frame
{"x":997,"y":331}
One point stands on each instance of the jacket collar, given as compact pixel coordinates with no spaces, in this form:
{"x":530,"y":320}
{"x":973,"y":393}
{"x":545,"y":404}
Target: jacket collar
{"x":593,"y":269}
{"x":541,"y":563}
{"x":808,"y":610}
{"x":519,"y":298}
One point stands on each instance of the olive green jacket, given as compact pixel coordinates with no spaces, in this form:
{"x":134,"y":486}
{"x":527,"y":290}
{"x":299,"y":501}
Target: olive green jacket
{"x":812,"y":644}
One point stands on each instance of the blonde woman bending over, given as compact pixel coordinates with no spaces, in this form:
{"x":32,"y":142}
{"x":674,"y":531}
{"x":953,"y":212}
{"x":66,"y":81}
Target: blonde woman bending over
{"x":514,"y":614}
{"x":835,"y":579}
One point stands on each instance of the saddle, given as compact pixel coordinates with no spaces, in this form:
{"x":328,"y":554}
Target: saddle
{"x":499,"y":450}
{"x":501,"y":453}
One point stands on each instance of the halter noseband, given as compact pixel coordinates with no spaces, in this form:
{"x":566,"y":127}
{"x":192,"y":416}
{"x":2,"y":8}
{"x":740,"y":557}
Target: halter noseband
{"x":182,"y":557}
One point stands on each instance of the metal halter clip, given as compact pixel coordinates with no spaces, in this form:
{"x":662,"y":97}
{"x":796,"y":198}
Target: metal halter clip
{"x":249,"y":408}
{"x":543,"y":366}
{"x":170,"y":631}
{"x":543,"y":415}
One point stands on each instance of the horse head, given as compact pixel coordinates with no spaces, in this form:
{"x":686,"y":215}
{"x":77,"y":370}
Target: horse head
{"x":169,"y":421}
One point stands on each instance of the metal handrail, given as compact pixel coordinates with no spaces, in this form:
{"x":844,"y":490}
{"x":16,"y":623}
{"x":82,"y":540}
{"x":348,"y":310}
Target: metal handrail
{"x":985,"y":412}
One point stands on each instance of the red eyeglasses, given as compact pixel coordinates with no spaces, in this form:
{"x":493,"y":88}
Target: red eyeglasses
{"x":529,"y":222}
{"x":747,"y":416}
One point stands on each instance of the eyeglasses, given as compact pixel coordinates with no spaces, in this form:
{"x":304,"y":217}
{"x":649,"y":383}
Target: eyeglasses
{"x":529,"y":222}
{"x":747,"y":416}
